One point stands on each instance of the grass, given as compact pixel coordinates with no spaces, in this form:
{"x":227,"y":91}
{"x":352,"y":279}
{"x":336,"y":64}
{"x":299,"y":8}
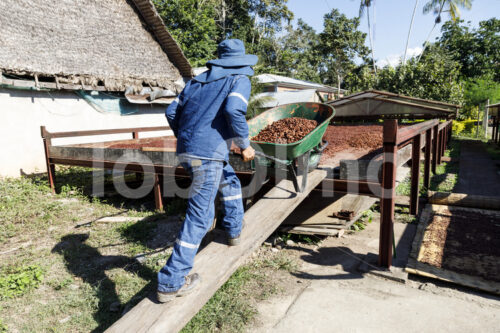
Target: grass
{"x":365,"y":218}
{"x":402,"y":214}
{"x":297,"y":238}
{"x":59,"y":270}
{"x":62,"y":272}
{"x":443,"y":180}
{"x":233,"y":306}
{"x":19,"y":280}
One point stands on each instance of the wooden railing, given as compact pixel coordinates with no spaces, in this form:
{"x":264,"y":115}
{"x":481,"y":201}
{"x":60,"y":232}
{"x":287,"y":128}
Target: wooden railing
{"x":436,"y":137}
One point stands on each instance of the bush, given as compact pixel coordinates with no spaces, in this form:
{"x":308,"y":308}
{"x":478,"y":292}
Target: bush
{"x":467,"y":126}
{"x":458,"y":127}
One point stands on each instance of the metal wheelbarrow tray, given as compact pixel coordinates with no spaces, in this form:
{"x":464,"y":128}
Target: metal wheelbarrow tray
{"x":299,"y":157}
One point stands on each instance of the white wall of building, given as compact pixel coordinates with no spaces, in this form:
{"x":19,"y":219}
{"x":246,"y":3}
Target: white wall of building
{"x":23,"y":112}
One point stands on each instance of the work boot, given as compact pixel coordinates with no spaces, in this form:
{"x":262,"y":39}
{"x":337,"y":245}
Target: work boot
{"x":234,"y":241}
{"x":192,"y":281}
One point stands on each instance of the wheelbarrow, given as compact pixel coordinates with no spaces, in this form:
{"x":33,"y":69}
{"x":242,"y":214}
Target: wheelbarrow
{"x":297,"y":158}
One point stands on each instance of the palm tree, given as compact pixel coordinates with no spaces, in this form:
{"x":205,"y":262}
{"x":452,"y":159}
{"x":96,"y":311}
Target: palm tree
{"x":365,"y":4}
{"x":450,"y":6}
{"x":438,"y":7}
{"x":409,"y":31}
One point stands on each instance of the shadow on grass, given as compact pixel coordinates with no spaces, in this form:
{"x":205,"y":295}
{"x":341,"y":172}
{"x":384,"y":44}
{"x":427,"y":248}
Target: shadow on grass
{"x":85,"y":261}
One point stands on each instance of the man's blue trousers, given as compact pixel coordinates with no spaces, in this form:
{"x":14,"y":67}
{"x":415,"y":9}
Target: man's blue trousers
{"x":208,"y":177}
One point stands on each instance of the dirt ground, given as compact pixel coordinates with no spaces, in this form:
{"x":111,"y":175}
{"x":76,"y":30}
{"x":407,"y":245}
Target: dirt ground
{"x":333,"y":294}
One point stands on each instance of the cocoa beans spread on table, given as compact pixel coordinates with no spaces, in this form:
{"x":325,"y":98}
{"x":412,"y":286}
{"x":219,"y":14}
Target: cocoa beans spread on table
{"x":286,"y":130}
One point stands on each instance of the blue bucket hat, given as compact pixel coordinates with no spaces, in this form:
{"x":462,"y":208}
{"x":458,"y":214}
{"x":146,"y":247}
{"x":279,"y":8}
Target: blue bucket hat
{"x":231,"y":54}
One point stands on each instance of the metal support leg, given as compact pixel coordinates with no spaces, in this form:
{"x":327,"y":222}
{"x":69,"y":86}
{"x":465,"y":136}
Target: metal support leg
{"x":415,"y":173}
{"x":303,"y":170}
{"x":157,"y":193}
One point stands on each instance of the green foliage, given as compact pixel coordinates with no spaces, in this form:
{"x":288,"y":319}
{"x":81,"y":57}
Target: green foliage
{"x":479,"y":90}
{"x":476,"y":50}
{"x":18,"y":281}
{"x":340,"y":43}
{"x":450,"y":6}
{"x":3,"y":327}
{"x":435,"y":76}
{"x":192,"y":23}
{"x":457,"y":127}
{"x":199,"y":25}
{"x":294,"y":54}
{"x":298,"y":238}
{"x":362,"y":222}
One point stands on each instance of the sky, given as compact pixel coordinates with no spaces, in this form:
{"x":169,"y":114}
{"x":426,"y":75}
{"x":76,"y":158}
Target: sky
{"x":391,"y":21}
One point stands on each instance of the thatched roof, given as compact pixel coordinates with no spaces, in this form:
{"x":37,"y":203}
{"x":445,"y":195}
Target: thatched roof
{"x":111,"y":44}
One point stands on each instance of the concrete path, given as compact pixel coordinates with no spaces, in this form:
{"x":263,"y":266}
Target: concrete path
{"x":333,"y":296}
{"x":478,"y":172}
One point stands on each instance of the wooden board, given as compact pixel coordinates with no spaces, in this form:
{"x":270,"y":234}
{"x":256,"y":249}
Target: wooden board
{"x":414,"y":266}
{"x":312,"y":216}
{"x":464,"y":200}
{"x":309,"y":216}
{"x":371,"y":170}
{"x":216,"y":262}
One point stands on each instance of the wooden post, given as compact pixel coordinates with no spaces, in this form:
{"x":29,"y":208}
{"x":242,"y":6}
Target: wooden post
{"x":157,"y":193}
{"x":450,"y":131}
{"x":427,"y":163}
{"x":135,"y":135}
{"x":445,"y":141}
{"x":497,"y":122}
{"x":388,"y":187}
{"x":496,"y":128}
{"x":415,"y":173}
{"x":435,"y":148}
{"x":497,"y":131}
{"x":439,"y":146}
{"x":51,"y":168}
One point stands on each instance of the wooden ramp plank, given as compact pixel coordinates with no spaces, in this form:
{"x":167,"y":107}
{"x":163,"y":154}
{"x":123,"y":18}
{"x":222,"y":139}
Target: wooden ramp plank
{"x":217,"y":262}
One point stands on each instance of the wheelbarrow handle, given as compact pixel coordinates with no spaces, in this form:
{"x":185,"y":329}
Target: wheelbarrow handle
{"x":272,"y":158}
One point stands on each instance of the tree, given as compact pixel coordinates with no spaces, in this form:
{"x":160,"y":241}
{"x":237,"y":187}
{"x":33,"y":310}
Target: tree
{"x":409,"y":31}
{"x":450,"y":6}
{"x":438,"y":7}
{"x":339,"y":45}
{"x":365,"y":5}
{"x":476,"y":50}
{"x":199,"y":25}
{"x":195,"y":17}
{"x":297,"y":53}
{"x":436,"y":77}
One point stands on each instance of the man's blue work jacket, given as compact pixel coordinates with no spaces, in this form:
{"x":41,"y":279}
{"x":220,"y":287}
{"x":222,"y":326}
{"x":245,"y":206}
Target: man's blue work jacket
{"x":207,"y":116}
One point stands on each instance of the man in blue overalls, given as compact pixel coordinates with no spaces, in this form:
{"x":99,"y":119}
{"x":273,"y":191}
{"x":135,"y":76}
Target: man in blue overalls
{"x":207,"y":116}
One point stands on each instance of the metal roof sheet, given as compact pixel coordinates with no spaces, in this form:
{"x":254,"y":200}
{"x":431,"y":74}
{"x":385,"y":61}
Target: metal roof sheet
{"x":374,"y":103}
